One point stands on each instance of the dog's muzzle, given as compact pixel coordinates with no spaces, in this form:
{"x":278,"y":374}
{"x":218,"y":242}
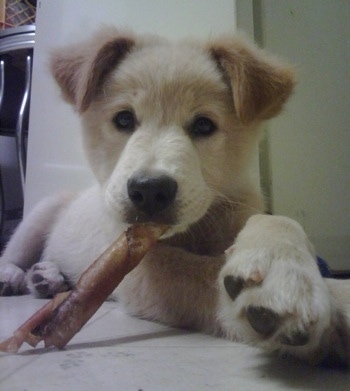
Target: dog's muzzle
{"x":152,"y":198}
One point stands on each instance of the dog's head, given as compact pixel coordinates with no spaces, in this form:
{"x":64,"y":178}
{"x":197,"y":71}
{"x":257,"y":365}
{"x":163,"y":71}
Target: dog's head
{"x":169,"y":128}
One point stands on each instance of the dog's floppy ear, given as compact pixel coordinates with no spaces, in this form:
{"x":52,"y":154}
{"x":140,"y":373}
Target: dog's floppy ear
{"x":260,"y":84}
{"x":80,"y":70}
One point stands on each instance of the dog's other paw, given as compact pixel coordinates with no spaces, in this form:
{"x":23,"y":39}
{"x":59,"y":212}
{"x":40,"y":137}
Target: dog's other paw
{"x":271,"y":292}
{"x":12,"y":280}
{"x":44,"y":279}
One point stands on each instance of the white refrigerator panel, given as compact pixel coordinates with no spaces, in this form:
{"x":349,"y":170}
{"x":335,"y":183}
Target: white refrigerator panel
{"x":309,"y":144}
{"x":55,"y":158}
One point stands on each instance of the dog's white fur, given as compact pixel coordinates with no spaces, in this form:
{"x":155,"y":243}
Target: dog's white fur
{"x":273,"y":276}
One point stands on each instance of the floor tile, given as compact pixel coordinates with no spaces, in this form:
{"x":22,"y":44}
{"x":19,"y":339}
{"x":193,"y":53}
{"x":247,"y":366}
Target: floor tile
{"x":115,"y":351}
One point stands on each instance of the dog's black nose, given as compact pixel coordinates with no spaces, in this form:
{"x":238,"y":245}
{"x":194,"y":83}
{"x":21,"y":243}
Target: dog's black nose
{"x":151,"y":194}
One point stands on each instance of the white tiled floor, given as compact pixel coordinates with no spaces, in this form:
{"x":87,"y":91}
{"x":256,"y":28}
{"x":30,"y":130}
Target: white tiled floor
{"x":117,"y":352}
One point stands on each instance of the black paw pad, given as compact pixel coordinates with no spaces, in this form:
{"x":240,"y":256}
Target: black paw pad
{"x":43,"y":289}
{"x":297,"y":338}
{"x":36,"y":278}
{"x":263,"y":320}
{"x":233,"y":286}
{"x":5,"y":289}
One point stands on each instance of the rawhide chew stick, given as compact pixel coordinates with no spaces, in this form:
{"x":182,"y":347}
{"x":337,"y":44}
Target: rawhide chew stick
{"x":23,"y":333}
{"x":60,"y":319}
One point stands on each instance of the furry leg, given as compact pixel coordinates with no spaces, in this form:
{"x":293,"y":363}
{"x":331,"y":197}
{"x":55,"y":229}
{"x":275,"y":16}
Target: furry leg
{"x":27,"y":243}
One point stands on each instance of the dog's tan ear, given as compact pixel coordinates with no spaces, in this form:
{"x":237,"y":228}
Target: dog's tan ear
{"x":260,"y":84}
{"x":80,"y":70}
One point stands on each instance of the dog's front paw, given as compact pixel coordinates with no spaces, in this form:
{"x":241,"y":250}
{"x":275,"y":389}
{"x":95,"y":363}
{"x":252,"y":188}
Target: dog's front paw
{"x":271,"y":292}
{"x":276,"y":306}
{"x":12,"y":280}
{"x":44,"y":279}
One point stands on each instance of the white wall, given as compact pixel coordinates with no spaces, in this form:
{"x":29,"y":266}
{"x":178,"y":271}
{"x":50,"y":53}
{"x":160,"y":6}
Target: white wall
{"x":55,"y":158}
{"x":309,"y":145}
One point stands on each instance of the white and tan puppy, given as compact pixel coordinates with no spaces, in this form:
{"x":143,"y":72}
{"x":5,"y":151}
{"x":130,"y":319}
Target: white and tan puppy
{"x":171,"y":131}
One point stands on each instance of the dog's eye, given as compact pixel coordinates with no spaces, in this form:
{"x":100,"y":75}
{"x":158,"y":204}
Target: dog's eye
{"x":124,"y":121}
{"x":202,"y":126}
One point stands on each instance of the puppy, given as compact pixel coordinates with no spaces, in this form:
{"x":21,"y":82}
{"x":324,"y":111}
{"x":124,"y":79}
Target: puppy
{"x":171,"y":131}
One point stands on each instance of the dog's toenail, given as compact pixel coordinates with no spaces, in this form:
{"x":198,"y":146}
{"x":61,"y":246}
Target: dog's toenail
{"x":298,"y":338}
{"x":263,"y":320}
{"x":37,"y":278}
{"x":233,"y":286}
{"x":36,"y":267}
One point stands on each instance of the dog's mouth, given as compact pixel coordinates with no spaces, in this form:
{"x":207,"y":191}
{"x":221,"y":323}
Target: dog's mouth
{"x":167,"y":216}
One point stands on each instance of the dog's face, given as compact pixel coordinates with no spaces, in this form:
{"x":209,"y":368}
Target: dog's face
{"x":158,"y":133}
{"x":169,"y":129}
